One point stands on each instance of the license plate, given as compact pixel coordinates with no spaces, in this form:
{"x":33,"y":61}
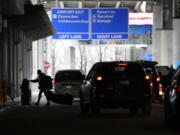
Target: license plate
{"x":68,"y":87}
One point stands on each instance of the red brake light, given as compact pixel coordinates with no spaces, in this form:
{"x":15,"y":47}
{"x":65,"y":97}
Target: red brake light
{"x":146,"y":95}
{"x":99,"y":78}
{"x":177,"y":89}
{"x":122,"y":64}
{"x":53,"y":81}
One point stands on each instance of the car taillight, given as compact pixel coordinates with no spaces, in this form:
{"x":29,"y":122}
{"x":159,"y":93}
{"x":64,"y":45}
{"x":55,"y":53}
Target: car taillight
{"x":158,"y":79}
{"x":160,"y":89}
{"x":99,"y":78}
{"x":147,"y":77}
{"x":54,"y":81}
{"x":177,"y":88}
{"x":122,"y":64}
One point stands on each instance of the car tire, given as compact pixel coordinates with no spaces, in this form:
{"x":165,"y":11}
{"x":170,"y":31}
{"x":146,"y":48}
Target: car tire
{"x":94,"y":106}
{"x":84,"y":107}
{"x":170,"y":118}
{"x":146,"y":109}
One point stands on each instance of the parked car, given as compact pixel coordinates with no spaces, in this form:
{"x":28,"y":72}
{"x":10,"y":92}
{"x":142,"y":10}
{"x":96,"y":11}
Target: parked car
{"x":172,"y":100}
{"x":116,"y":84}
{"x":68,"y":81}
{"x":150,"y":66}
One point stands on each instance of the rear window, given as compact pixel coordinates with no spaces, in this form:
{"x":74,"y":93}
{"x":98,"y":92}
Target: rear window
{"x":163,"y":70}
{"x":68,"y":75}
{"x":113,"y":69}
{"x":104,"y":69}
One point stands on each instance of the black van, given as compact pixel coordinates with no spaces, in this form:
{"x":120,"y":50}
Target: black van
{"x":116,"y":84}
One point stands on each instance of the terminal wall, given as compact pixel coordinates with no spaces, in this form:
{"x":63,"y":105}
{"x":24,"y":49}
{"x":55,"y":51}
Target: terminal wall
{"x":176,"y":43}
{"x":16,"y":54}
{"x":15,"y":48}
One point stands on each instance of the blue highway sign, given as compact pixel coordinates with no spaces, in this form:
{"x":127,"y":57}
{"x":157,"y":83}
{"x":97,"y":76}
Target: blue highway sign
{"x":71,"y":23}
{"x":109,"y":23}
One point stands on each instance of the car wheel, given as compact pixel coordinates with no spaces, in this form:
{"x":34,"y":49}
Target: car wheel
{"x":170,"y":118}
{"x":94,"y":106}
{"x":146,"y":109}
{"x":84,"y":107}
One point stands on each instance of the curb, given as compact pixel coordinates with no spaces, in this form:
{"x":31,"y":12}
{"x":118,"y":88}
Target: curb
{"x":9,"y":104}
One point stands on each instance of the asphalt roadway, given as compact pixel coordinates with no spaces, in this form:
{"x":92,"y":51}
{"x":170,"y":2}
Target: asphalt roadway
{"x":67,"y":120}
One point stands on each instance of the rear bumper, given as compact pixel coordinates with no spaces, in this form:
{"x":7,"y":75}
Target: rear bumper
{"x":108,"y":103}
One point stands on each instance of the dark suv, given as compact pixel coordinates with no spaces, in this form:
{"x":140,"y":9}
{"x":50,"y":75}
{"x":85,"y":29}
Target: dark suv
{"x":116,"y":84}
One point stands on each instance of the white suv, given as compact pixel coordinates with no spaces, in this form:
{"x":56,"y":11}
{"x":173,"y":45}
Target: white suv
{"x":68,"y":81}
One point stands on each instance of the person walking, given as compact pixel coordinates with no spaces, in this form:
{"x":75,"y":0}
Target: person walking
{"x":41,"y":79}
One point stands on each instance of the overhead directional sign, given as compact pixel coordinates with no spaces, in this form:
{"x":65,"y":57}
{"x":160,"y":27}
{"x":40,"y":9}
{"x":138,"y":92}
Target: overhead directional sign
{"x":71,"y":23}
{"x":90,"y":23}
{"x":109,"y":23}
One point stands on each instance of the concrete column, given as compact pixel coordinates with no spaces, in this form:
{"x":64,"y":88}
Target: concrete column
{"x":133,"y":53}
{"x":156,"y":45}
{"x":34,"y":59}
{"x":40,"y":59}
{"x":72,"y":57}
{"x":69,"y":58}
{"x":176,"y":43}
{"x":156,"y":33}
{"x":37,"y":57}
{"x":166,"y":47}
{"x":162,"y":37}
{"x":127,"y":53}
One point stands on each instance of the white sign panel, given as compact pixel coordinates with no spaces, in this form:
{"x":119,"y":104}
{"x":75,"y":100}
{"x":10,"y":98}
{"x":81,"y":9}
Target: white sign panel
{"x":140,"y":18}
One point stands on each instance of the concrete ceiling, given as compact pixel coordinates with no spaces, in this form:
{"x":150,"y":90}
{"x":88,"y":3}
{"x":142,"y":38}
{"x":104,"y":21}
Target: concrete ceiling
{"x":133,"y":5}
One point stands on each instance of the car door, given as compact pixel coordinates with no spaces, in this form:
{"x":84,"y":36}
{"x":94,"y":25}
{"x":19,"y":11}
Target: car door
{"x":86,"y":88}
{"x":174,"y":84}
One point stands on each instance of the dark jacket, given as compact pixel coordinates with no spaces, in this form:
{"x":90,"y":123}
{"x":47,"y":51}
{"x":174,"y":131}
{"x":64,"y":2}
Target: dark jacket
{"x":41,"y":80}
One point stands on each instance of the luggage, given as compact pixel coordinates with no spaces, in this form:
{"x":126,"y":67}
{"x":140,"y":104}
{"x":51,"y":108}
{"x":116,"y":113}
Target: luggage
{"x":60,"y":99}
{"x":25,"y":92}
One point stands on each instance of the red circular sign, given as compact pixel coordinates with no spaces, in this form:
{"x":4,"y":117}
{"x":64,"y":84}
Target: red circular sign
{"x":46,"y":65}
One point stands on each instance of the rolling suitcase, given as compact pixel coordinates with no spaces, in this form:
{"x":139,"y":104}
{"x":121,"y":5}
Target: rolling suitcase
{"x":60,"y":99}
